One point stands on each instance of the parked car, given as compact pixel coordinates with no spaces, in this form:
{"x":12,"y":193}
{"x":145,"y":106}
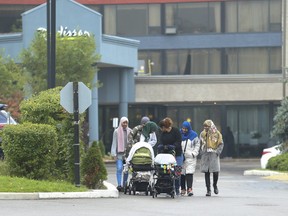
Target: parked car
{"x":268,"y":153}
{"x":5,"y":118}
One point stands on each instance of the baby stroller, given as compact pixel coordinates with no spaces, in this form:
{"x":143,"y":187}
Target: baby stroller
{"x":140,"y":164}
{"x":164,"y":175}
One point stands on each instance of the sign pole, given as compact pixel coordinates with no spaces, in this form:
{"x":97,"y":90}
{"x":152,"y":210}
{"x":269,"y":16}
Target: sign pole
{"x":76,"y":134}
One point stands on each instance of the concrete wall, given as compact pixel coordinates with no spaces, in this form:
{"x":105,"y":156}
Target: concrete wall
{"x":11,"y":45}
{"x":212,"y":88}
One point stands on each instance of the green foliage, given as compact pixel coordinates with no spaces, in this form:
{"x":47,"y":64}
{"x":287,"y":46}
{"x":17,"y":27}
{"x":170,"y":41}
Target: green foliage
{"x":279,"y":162}
{"x":74,"y":59}
{"x":30,"y":150}
{"x":15,"y":184}
{"x":45,"y":108}
{"x":93,"y":169}
{"x":102,"y":148}
{"x":280,"y":128}
{"x":11,"y":79}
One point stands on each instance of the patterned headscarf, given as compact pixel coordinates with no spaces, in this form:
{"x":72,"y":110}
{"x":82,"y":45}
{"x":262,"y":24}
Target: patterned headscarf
{"x":190,"y":134}
{"x":212,"y":137}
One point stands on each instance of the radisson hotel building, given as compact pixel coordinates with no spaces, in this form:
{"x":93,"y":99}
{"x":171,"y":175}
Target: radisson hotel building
{"x":193,"y":60}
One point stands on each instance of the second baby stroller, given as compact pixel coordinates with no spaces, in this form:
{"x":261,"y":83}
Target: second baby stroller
{"x":164,"y":176}
{"x":140,"y":163}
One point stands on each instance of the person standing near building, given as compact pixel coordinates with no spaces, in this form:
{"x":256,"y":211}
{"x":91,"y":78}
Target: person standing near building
{"x":119,"y":145}
{"x":145,"y":132}
{"x":136,"y":132}
{"x":211,"y":145}
{"x":170,"y":141}
{"x":190,"y":147}
{"x":149,"y":133}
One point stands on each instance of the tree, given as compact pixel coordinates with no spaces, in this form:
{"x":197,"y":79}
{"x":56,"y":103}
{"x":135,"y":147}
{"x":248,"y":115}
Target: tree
{"x":280,"y":128}
{"x":74,"y":59}
{"x":93,"y":168}
{"x":12,"y":84}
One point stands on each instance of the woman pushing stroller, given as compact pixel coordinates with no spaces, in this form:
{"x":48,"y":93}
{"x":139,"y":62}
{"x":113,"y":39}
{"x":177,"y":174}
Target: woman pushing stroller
{"x":170,"y":142}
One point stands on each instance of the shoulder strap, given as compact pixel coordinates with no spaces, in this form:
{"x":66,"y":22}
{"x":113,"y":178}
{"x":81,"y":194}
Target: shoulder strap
{"x":185,"y":147}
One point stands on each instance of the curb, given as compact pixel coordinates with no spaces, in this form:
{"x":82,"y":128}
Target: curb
{"x":111,"y":192}
{"x":261,"y":173}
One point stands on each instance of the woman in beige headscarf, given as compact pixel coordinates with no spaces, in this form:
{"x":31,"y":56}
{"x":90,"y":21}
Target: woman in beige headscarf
{"x":211,"y":147}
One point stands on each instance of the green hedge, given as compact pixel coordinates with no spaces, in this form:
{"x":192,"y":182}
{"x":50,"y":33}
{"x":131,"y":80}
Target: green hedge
{"x":93,"y":168}
{"x":30,"y":150}
{"x":279,"y":163}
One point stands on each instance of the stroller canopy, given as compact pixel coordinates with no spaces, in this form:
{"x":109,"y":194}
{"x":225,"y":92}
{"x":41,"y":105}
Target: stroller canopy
{"x":165,"y":159}
{"x":138,"y":146}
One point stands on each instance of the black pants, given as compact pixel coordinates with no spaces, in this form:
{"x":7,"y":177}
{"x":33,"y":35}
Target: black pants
{"x":186,"y":180}
{"x":207,"y":179}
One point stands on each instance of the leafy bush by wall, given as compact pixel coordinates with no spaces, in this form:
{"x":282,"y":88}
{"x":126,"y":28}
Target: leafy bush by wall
{"x":93,"y":170}
{"x":279,"y":162}
{"x":280,"y":128}
{"x":45,"y":108}
{"x":30,"y":150}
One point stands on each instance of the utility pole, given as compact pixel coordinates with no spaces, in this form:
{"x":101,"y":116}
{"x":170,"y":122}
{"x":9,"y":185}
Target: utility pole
{"x":51,"y":42}
{"x":284,"y":46}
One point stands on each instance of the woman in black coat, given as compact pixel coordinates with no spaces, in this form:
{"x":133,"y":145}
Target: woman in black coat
{"x":170,"y":142}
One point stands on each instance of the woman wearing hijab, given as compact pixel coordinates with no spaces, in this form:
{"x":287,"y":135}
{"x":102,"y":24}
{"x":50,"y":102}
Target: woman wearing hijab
{"x":149,"y":133}
{"x":190,"y":147}
{"x":211,"y":143}
{"x":118,"y":148}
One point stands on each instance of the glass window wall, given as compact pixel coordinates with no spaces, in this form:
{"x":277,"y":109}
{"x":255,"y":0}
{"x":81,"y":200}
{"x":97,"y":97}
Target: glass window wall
{"x":149,"y":63}
{"x":193,"y":18}
{"x":211,"y":61}
{"x":253,"y":16}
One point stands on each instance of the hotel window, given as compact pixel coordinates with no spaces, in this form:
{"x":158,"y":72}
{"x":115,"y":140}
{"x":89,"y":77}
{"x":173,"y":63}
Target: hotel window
{"x":110,"y":19}
{"x":253,"y":60}
{"x":275,"y":61}
{"x":253,"y":16}
{"x":149,"y":63}
{"x":154,"y":19}
{"x":200,"y":62}
{"x":196,"y":61}
{"x":171,"y":62}
{"x":192,"y":18}
{"x":275,"y":16}
{"x":132,"y":20}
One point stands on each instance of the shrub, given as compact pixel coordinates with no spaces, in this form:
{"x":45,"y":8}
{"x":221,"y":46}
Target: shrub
{"x":45,"y":108}
{"x":93,"y":169}
{"x":279,"y":162}
{"x":30,"y":150}
{"x":102,"y":147}
{"x":280,"y":127}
